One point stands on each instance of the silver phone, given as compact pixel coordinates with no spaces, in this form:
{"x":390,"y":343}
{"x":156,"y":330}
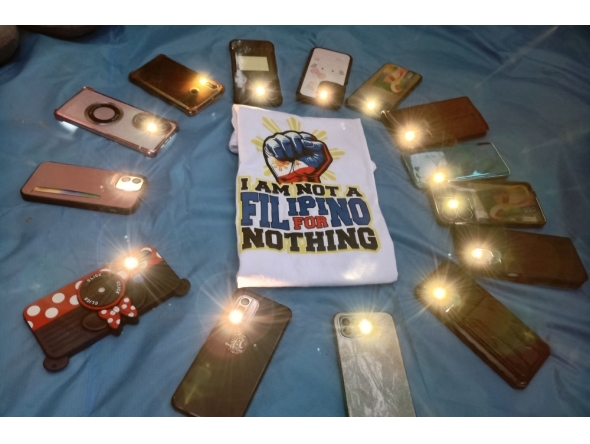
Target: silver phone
{"x":132,"y":127}
{"x":373,"y":371}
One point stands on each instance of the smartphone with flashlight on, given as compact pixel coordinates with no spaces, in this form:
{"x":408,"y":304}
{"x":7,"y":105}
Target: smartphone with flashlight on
{"x":481,"y":322}
{"x":324,"y":79}
{"x":117,"y":121}
{"x":483,"y":202}
{"x":385,"y":90}
{"x":227,"y":370}
{"x":455,"y":163}
{"x":518,"y":256}
{"x":84,"y":187}
{"x":443,"y":124}
{"x":373,"y":372}
{"x":255,"y":73}
{"x":177,"y":85}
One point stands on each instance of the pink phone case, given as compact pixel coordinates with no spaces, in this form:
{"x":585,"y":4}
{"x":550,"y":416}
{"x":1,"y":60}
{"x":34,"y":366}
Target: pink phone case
{"x":86,"y":188}
{"x":125,"y":124}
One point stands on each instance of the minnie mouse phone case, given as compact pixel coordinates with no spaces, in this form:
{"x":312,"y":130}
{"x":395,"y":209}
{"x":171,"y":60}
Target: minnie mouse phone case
{"x":74,"y":317}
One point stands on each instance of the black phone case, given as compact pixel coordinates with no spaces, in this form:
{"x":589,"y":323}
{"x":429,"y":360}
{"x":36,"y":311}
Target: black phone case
{"x":517,"y":256}
{"x":435,"y":194}
{"x":64,"y":326}
{"x":438,"y":124}
{"x":337,"y":92}
{"x":221,"y":383}
{"x":176,"y":84}
{"x":483,"y":324}
{"x":241,"y":95}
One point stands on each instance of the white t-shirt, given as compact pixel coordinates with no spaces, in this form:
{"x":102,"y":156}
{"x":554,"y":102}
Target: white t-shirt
{"x":307,"y":210}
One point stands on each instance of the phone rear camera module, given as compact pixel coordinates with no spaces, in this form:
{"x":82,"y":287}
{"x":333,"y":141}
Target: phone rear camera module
{"x":103,"y":113}
{"x":345,"y":321}
{"x":194,"y":91}
{"x":151,"y":124}
{"x":127,"y":183}
{"x":245,"y":301}
{"x":211,"y":85}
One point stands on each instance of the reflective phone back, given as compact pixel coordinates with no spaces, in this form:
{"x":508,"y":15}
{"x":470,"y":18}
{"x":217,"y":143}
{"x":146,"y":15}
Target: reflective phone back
{"x":373,"y":371}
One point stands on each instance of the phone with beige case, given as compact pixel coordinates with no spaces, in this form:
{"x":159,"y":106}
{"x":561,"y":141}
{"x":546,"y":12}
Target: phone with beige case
{"x":132,"y":127}
{"x":84,"y":187}
{"x":373,"y":371}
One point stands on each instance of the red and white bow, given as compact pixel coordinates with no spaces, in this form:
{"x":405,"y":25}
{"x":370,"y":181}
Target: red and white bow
{"x":113,"y":315}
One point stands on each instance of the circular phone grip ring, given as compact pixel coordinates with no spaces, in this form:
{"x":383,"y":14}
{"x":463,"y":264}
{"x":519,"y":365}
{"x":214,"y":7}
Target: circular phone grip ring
{"x":103,"y":113}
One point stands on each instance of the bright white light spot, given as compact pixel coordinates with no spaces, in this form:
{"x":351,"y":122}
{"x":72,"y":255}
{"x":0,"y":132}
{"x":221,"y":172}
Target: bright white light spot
{"x":235,"y":317}
{"x":151,"y":127}
{"x":131,"y":263}
{"x":438,"y":177}
{"x":477,"y":253}
{"x":371,"y":105}
{"x":323,"y":95}
{"x":203,"y":81}
{"x":439,"y":293}
{"x":453,"y":203}
{"x":410,"y":135}
{"x":260,"y":90}
{"x":365,"y":327}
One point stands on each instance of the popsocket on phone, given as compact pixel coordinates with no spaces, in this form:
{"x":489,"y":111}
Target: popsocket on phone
{"x":74,"y":317}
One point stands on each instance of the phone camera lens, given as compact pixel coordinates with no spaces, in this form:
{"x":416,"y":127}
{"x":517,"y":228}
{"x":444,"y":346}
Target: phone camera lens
{"x":136,"y":180}
{"x":345,"y":321}
{"x":194,"y":91}
{"x":355,"y":321}
{"x":125,"y":179}
{"x":347,"y":331}
{"x":241,"y":309}
{"x":245,"y":301}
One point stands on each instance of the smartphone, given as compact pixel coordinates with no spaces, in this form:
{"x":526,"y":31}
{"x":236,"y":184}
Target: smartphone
{"x":255,"y":73}
{"x":177,"y":85}
{"x":487,"y":203}
{"x":324,"y":79}
{"x":227,"y":370}
{"x":518,"y":256}
{"x":100,"y":303}
{"x":118,"y":121}
{"x":375,"y":381}
{"x":443,"y":123}
{"x":385,"y":90}
{"x":481,"y":322}
{"x":455,"y":163}
{"x":84,"y":187}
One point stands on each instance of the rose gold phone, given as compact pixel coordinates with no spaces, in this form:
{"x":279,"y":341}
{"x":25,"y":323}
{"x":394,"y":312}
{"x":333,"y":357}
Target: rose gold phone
{"x":86,"y":188}
{"x":118,"y":121}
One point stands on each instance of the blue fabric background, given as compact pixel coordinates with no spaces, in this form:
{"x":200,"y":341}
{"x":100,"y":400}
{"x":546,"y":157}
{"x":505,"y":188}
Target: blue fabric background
{"x":530,"y":83}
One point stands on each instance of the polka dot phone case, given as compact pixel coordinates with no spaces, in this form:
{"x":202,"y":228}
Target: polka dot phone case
{"x":98,"y":304}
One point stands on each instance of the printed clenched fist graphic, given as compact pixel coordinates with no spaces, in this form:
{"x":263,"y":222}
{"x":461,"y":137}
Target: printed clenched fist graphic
{"x":296,"y":157}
